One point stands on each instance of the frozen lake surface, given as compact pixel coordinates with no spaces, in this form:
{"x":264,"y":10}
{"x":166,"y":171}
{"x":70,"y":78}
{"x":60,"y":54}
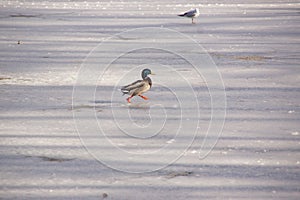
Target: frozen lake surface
{"x":68,"y":133}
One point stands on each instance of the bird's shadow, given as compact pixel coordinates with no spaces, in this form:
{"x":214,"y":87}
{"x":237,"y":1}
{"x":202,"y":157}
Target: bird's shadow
{"x":131,"y":106}
{"x":102,"y":102}
{"x":139,"y":105}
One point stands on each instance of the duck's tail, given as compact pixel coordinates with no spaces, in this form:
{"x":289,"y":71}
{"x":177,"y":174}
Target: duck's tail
{"x":125,"y":91}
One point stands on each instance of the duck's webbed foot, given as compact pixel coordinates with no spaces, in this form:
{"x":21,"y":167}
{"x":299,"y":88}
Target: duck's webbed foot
{"x":128,"y":99}
{"x":144,"y":97}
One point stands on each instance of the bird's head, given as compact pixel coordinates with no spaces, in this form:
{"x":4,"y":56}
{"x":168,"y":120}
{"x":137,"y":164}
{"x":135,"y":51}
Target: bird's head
{"x":146,"y":72}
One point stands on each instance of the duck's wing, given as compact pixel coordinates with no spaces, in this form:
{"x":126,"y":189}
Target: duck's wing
{"x":127,"y":89}
{"x":190,"y":13}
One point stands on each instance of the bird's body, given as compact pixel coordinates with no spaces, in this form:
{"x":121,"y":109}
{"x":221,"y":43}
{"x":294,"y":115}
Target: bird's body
{"x":191,"y":14}
{"x":139,"y":87}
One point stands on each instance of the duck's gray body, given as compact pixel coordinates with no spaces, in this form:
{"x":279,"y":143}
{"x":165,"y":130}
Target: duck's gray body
{"x":137,"y":87}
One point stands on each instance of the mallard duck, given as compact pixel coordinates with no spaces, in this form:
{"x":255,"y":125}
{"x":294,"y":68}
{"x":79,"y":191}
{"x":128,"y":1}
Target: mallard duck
{"x":191,"y":14}
{"x":138,"y":87}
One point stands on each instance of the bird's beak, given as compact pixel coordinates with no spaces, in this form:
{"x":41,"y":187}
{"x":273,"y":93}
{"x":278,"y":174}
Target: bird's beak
{"x":152,"y":73}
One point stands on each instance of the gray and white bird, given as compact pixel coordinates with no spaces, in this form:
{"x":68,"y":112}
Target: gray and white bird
{"x":193,"y":13}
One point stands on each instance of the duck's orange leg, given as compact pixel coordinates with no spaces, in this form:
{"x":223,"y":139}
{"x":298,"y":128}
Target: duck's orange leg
{"x":128,"y":99}
{"x":146,"y":98}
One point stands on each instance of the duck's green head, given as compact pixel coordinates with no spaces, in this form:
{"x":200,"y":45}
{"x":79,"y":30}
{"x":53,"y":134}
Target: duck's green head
{"x":145,"y":73}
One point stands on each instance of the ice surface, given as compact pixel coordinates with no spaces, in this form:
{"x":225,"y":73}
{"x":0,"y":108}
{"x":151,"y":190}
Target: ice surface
{"x":254,"y":44}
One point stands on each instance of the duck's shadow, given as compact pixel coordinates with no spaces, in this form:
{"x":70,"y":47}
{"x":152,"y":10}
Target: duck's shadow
{"x":133,"y":105}
{"x":102,"y":102}
{"x":139,"y":105}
